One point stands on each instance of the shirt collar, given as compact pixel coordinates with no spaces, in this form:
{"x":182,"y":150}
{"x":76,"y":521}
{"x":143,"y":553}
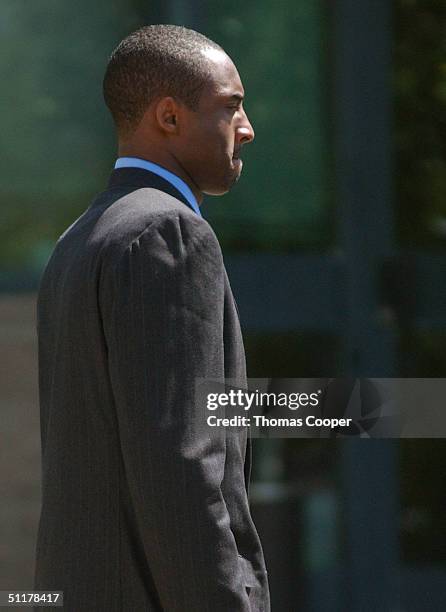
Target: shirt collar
{"x":176,"y":181}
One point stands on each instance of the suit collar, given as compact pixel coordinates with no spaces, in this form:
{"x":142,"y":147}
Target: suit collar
{"x":139,"y":178}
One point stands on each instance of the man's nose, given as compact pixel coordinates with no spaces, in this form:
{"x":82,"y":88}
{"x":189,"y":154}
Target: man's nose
{"x":245,"y":132}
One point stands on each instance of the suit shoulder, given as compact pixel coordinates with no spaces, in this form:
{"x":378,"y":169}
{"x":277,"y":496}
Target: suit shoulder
{"x":175,"y":237}
{"x":147,"y":210}
{"x":181,"y":225}
{"x":155,"y":228}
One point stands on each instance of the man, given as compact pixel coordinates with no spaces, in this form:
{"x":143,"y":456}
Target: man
{"x":144,"y":508}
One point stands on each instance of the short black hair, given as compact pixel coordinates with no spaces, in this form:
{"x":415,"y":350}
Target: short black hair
{"x":155,"y":61}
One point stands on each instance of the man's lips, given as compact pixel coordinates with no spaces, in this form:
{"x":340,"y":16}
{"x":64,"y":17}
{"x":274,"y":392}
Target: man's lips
{"x":237,"y":163}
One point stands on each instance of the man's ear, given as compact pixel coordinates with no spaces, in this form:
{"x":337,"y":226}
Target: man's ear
{"x":166,"y":113}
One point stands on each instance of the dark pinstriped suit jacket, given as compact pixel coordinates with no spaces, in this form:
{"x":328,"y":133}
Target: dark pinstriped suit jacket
{"x":141,"y":509}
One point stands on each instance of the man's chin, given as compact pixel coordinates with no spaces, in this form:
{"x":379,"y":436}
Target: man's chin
{"x":214,"y":191}
{"x":222,"y":189}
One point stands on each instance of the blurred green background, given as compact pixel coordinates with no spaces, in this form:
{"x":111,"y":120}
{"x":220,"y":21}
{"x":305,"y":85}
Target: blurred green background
{"x":347,"y":172}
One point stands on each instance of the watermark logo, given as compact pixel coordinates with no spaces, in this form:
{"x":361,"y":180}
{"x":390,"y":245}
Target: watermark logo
{"x":329,"y":407}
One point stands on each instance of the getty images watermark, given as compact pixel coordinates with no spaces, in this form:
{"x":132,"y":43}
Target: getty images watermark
{"x":248,"y":401}
{"x":325,"y":407}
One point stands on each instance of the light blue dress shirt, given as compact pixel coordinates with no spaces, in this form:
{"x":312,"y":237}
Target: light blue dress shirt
{"x":173,"y":179}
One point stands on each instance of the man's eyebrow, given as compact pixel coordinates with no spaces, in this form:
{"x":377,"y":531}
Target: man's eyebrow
{"x":235,"y":97}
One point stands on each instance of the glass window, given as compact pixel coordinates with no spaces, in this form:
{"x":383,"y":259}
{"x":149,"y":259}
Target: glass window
{"x":282,"y":201}
{"x":58,"y":140}
{"x":420,"y":126}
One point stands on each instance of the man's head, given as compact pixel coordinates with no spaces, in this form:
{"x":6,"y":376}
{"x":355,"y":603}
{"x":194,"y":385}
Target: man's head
{"x":176,"y":99}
